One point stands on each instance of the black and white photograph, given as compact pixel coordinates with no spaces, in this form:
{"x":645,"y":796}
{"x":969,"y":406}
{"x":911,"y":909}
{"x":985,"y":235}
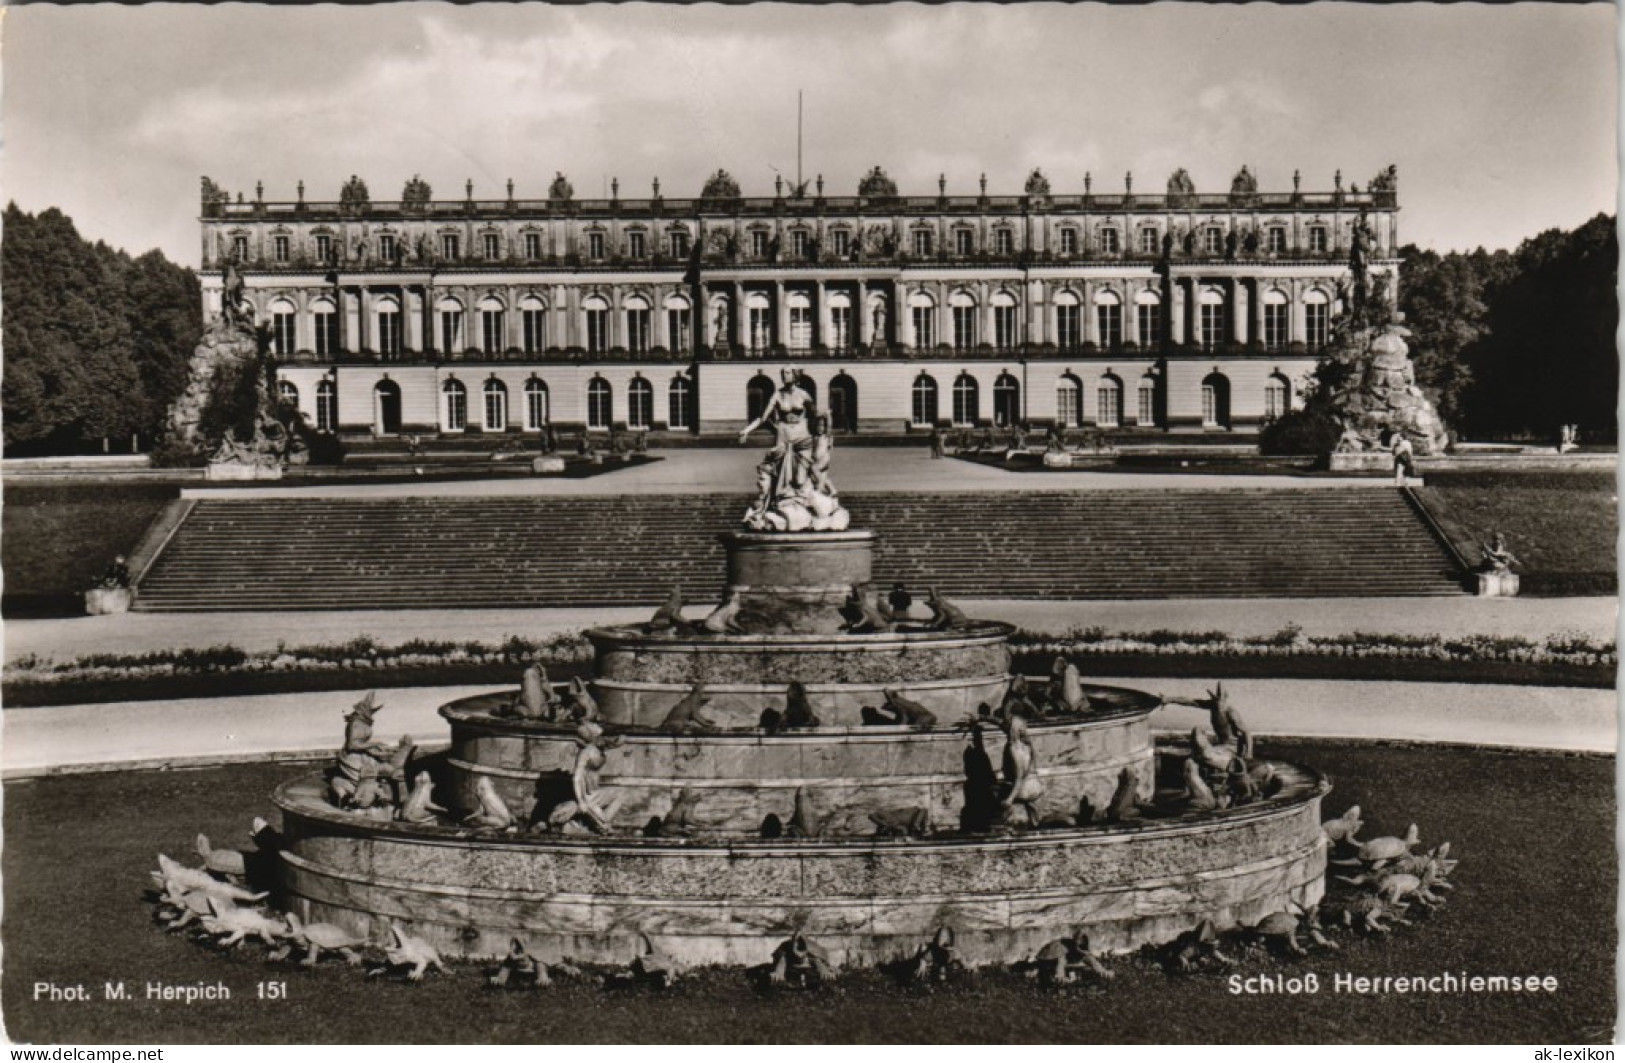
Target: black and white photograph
{"x":1053,"y":523}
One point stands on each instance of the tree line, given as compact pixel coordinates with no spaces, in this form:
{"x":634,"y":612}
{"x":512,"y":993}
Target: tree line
{"x":1510,"y":343}
{"x":1513,"y":344}
{"x":96,"y":342}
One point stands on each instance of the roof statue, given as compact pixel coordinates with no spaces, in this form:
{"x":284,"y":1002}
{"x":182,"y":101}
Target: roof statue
{"x":354,"y":194}
{"x":1180,"y":184}
{"x":876,"y":185}
{"x":720,"y":185}
{"x":1243,"y":184}
{"x":1386,"y":181}
{"x":213,"y":194}
{"x":1037,"y":183}
{"x":560,"y":191}
{"x":416,"y":193}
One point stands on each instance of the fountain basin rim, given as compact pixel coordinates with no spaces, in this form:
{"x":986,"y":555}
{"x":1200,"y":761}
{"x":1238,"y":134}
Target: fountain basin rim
{"x":790,"y":538}
{"x":976,"y":633}
{"x":1313,"y":786}
{"x":1145,"y":704}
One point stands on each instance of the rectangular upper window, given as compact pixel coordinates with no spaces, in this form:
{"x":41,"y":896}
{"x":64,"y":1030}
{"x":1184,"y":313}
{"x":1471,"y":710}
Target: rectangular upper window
{"x":1108,"y":241}
{"x":1317,"y":238}
{"x":964,"y":242}
{"x":386,"y":247}
{"x":841,"y":242}
{"x":635,"y":244}
{"x":493,"y":246}
{"x":758,"y":243}
{"x":449,"y":245}
{"x":1069,"y":241}
{"x":279,"y":246}
{"x":533,"y":245}
{"x":678,"y":242}
{"x":1003,"y":242}
{"x":595,"y":245}
{"x":922,"y":242}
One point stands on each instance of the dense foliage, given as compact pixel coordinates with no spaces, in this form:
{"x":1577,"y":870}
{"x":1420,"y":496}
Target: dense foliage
{"x":1508,"y":344}
{"x":96,"y":341}
{"x":1518,"y":343}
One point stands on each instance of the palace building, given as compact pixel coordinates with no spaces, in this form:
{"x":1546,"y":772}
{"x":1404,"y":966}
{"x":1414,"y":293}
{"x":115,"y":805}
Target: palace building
{"x":1176,"y":311}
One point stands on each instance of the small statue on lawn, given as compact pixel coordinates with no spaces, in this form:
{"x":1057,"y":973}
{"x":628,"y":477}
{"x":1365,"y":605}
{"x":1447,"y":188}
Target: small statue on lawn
{"x":1063,"y":960}
{"x":117,"y":576}
{"x":800,"y":964}
{"x":938,"y":960}
{"x":519,"y":970}
{"x":1196,"y":949}
{"x":1498,"y":558}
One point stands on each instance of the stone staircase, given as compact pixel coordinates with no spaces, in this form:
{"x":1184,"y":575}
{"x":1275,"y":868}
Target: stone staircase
{"x":500,"y":552}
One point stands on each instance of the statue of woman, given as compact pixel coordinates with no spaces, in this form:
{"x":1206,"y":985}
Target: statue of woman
{"x":786,"y":471}
{"x":1022,"y":788}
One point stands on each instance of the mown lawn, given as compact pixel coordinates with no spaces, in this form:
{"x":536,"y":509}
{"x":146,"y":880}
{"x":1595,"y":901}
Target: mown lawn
{"x":56,"y":540}
{"x":1535,"y":895}
{"x":1561,"y":525}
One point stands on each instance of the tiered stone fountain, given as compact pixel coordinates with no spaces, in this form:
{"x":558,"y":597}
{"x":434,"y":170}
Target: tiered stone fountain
{"x":724,"y":893}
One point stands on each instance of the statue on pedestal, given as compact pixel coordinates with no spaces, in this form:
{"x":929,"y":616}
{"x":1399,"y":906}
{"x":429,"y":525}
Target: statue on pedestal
{"x":793,"y":492}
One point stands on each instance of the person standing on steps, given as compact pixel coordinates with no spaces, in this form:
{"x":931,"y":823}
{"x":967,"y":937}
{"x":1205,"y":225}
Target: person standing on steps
{"x":1404,"y":458}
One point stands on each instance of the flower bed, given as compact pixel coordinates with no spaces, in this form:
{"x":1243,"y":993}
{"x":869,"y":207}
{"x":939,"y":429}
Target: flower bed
{"x":1562,"y":659}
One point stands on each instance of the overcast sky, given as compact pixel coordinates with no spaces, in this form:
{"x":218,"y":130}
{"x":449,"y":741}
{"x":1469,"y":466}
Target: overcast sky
{"x":1501,"y":119}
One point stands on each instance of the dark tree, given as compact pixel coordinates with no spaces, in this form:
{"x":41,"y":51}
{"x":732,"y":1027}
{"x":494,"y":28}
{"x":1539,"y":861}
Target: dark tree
{"x":96,"y":343}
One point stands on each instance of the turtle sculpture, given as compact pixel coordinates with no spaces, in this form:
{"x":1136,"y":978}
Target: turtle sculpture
{"x":231,"y":925}
{"x":799,"y":964}
{"x":651,"y":966}
{"x":317,"y":938}
{"x":227,"y":862}
{"x":519,"y":970}
{"x":1364,"y":912}
{"x":1379,"y":851}
{"x":1342,"y":830}
{"x":493,"y":812}
{"x":405,"y":950}
{"x":1063,"y":960}
{"x":1279,"y":930}
{"x":937,"y":960}
{"x":1197,"y":948}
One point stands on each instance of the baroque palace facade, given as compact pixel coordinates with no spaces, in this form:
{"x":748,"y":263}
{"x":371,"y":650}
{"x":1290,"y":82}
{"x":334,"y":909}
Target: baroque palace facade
{"x":1177,"y":311}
